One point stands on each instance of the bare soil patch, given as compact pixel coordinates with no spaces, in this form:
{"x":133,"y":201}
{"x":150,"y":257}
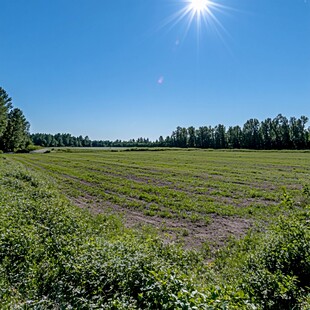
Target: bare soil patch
{"x":191,"y":234}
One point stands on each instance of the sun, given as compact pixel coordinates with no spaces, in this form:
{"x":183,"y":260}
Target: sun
{"x":198,"y":6}
{"x":200,"y":13}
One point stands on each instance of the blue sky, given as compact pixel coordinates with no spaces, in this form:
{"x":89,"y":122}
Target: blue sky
{"x":112,"y":69}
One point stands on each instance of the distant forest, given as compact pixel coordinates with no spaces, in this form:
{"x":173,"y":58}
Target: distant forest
{"x":278,"y":133}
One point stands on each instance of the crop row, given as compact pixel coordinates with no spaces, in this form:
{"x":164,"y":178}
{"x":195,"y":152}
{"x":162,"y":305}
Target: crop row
{"x":181,"y":184}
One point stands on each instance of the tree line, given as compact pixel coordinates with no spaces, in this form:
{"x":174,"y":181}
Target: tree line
{"x":277,"y":133}
{"x":60,"y":140}
{"x":66,"y":139}
{"x":14,"y":128}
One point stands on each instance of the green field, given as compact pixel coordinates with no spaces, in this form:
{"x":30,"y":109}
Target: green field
{"x":64,"y":246}
{"x":191,"y":193}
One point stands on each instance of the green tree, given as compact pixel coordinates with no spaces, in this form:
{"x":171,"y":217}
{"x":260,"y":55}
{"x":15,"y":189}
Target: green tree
{"x":234,"y":137}
{"x":266,"y":133}
{"x":284,"y":131}
{"x":191,"y":136}
{"x":5,"y":106}
{"x":298,"y":134}
{"x":16,"y":135}
{"x":161,"y":141}
{"x":180,"y":137}
{"x":220,"y":137}
{"x":205,"y":137}
{"x":251,"y":139}
{"x":87,"y":142}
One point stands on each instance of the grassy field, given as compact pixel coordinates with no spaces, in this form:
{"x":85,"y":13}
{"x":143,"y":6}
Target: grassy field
{"x":194,"y":195}
{"x":55,"y":254}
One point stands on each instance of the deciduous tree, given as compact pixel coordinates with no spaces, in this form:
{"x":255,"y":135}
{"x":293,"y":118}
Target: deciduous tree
{"x":16,"y":134}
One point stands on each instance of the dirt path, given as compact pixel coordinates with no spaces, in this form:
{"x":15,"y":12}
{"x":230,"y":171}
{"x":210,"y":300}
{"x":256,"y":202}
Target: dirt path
{"x":40,"y":151}
{"x":191,"y":234}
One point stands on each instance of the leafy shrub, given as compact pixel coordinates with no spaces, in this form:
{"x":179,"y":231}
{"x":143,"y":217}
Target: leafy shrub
{"x":277,"y":274}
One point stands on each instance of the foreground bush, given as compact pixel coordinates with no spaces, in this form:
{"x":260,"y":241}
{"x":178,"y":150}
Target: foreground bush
{"x":272,"y":268}
{"x":277,"y":275}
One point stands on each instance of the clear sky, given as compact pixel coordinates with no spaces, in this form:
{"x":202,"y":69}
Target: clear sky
{"x":116,"y":69}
